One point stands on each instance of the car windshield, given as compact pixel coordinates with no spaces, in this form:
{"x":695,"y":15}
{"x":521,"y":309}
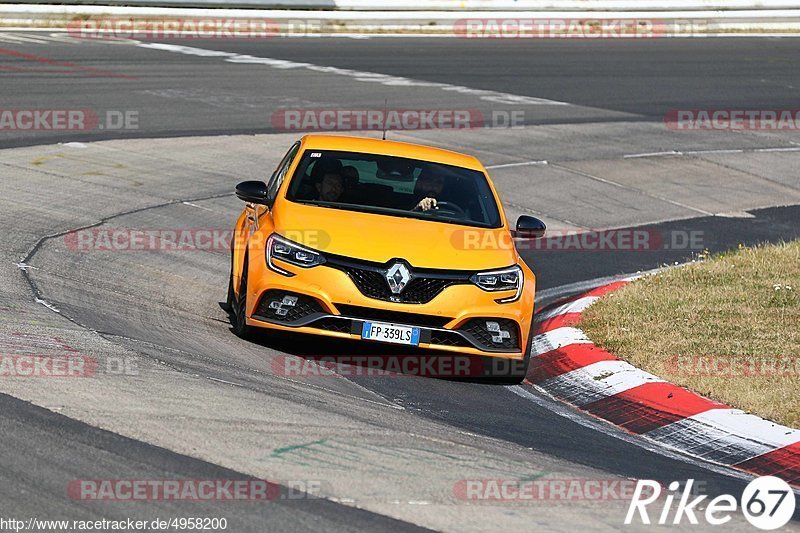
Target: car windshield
{"x":394,"y":186}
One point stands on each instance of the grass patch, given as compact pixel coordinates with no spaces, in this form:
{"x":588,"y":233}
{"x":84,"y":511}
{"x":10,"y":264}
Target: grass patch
{"x":727,"y":327}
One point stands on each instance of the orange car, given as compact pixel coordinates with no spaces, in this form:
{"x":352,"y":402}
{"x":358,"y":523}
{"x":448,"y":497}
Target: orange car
{"x":383,"y":241}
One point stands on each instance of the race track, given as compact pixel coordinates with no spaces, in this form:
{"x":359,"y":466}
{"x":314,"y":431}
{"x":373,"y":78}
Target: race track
{"x":387,"y":452}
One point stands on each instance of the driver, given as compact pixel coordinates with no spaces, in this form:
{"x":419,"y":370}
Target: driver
{"x":327,"y":177}
{"x":429,"y":186}
{"x":330,"y":188}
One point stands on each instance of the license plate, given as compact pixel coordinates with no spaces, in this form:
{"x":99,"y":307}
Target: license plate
{"x":378,"y":331}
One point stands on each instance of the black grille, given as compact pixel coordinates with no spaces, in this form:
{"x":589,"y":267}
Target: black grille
{"x":449,"y":338}
{"x":476,"y":328}
{"x":282,"y":311}
{"x":396,"y":317}
{"x":333,"y":324}
{"x":369,"y":282}
{"x":423,"y":290}
{"x":424,"y":286}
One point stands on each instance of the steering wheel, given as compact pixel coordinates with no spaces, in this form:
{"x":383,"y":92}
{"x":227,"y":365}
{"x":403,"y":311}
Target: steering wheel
{"x":449,"y":207}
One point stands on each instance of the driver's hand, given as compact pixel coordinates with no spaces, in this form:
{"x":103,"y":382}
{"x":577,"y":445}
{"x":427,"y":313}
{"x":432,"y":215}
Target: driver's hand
{"x":426,"y":204}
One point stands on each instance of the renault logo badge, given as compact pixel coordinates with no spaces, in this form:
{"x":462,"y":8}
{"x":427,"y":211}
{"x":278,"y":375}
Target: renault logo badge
{"x":398,"y":277}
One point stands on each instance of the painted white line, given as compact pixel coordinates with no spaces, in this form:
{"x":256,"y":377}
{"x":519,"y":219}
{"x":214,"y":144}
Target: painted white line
{"x":372,"y":77}
{"x":597,"y":381}
{"x":735,"y":214}
{"x":218,"y":380}
{"x":575,"y":306}
{"x":510,"y":165}
{"x":721,"y":151}
{"x":20,"y":39}
{"x":787,"y":149}
{"x":190,"y":204}
{"x":47,"y":305}
{"x":25,"y":266}
{"x":651,"y":154}
{"x":726,"y":436}
{"x":558,"y":338}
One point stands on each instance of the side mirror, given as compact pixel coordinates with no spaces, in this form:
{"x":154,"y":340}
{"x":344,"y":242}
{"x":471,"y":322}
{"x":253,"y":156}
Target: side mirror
{"x":252,"y":191}
{"x":529,"y":227}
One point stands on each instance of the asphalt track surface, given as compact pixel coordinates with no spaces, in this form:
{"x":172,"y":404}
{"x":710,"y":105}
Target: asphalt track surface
{"x":164,"y":307}
{"x":30,"y":490}
{"x":184,"y":95}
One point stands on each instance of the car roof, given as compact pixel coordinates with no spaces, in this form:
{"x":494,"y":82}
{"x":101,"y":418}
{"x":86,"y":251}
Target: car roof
{"x":400,"y":149}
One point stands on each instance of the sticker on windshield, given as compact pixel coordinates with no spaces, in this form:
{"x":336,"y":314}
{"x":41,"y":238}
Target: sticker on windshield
{"x":316,"y":154}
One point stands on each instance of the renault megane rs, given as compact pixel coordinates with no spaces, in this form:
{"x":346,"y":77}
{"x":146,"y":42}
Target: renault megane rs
{"x":382,"y":241}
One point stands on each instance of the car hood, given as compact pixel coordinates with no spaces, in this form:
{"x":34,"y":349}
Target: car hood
{"x":379,"y":238}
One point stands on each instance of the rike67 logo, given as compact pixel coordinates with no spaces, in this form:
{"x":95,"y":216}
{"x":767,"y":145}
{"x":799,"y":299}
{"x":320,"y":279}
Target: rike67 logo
{"x":767,"y":503}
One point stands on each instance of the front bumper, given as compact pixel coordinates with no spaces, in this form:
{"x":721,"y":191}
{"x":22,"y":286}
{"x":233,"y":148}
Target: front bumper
{"x":325,"y":301}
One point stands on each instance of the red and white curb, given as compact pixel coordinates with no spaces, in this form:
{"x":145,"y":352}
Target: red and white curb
{"x":567,"y":365}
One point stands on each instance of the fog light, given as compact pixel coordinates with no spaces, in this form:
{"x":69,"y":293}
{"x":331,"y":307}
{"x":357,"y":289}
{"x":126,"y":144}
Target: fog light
{"x":498,"y":335}
{"x":281,"y":307}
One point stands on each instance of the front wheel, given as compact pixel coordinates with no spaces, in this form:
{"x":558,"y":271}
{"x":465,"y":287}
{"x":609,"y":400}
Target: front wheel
{"x":506,"y":371}
{"x":239,"y":306}
{"x":231,"y":296}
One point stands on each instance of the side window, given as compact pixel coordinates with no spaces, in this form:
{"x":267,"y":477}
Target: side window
{"x":280,"y":173}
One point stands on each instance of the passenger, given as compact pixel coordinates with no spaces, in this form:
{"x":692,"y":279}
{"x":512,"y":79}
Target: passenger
{"x":351,"y":177}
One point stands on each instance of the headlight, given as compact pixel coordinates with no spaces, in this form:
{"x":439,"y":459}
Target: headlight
{"x":507,"y":279}
{"x":292,"y":253}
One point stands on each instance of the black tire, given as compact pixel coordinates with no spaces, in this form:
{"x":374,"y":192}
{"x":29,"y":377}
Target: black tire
{"x":505,"y":371}
{"x":239,"y":306}
{"x":231,"y":296}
